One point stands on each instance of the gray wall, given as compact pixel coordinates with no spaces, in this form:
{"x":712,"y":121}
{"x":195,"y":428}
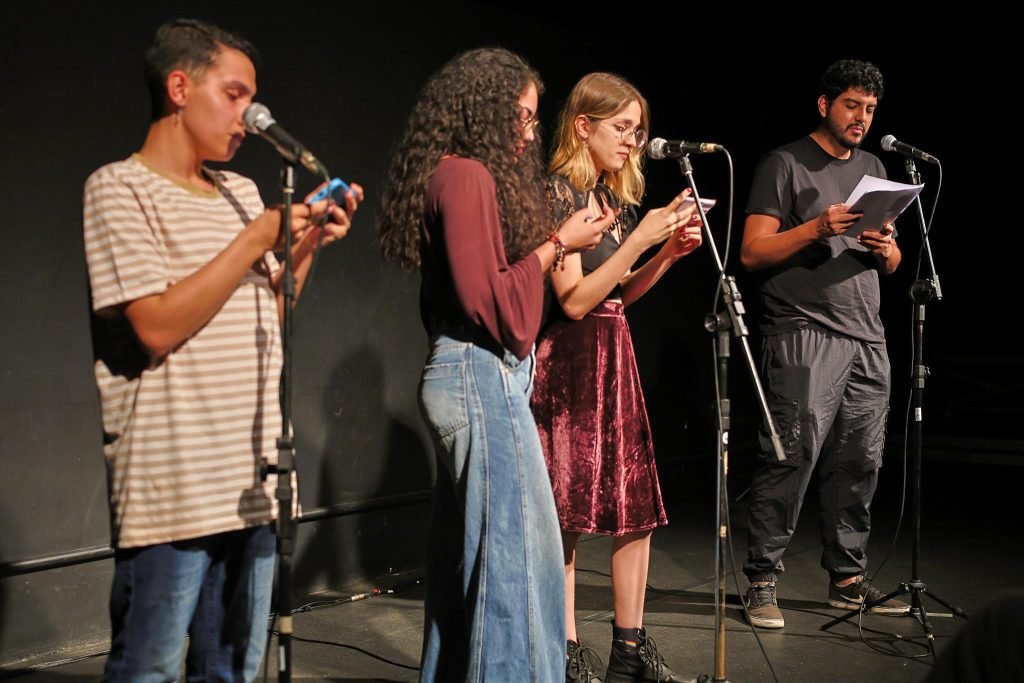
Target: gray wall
{"x":72,"y":100}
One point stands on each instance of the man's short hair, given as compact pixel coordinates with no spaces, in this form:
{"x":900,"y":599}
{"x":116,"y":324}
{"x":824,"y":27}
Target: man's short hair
{"x":851,"y":73}
{"x":190,"y":45}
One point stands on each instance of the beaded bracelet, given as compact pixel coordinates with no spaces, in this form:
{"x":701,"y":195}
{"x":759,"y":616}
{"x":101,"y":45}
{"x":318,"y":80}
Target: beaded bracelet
{"x":559,"y":251}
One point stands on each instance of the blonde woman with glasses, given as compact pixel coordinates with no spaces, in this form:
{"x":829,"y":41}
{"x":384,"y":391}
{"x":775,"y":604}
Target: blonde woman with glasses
{"x":587,"y":398}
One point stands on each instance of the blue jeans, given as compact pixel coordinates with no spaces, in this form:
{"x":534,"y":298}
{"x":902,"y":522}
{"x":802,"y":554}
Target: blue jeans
{"x":495,"y":597}
{"x":216,"y":588}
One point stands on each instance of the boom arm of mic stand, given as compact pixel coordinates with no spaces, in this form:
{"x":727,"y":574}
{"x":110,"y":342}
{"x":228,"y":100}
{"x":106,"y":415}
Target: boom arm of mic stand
{"x":734,"y":305}
{"x":915,"y":178}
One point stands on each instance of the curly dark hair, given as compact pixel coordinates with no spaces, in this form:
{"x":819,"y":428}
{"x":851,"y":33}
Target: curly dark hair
{"x":851,"y":73}
{"x":468,"y":108}
{"x":192,"y":46}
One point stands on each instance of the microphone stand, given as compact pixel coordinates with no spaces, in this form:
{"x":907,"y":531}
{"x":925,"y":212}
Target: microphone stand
{"x":286,"y":523}
{"x":721,"y":325}
{"x":921,"y":292}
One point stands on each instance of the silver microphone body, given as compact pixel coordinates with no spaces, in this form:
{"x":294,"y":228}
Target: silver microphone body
{"x":891,"y":144}
{"x":660,"y":148}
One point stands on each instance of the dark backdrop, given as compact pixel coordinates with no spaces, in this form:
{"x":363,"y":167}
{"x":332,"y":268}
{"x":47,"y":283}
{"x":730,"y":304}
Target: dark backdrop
{"x":341,"y":78}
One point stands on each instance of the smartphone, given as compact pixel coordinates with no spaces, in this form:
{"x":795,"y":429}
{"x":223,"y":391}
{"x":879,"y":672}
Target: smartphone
{"x":337,"y":189}
{"x":704,"y":202}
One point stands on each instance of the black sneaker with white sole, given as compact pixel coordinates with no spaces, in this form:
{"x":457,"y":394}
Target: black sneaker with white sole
{"x":855,"y":594}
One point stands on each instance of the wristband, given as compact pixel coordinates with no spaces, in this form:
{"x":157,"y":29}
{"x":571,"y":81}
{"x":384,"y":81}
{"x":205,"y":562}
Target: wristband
{"x":559,"y":250}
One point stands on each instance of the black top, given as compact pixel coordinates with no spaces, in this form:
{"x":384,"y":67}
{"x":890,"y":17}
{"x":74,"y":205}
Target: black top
{"x":566,"y":200}
{"x":833,"y":283}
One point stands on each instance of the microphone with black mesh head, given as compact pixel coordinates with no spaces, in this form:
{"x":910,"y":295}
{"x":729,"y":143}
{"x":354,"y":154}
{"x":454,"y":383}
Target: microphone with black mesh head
{"x":258,"y":120}
{"x":660,"y":148}
{"x":891,"y":144}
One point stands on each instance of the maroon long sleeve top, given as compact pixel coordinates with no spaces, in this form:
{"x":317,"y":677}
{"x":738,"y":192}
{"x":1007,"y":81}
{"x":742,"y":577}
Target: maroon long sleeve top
{"x":468,"y":285}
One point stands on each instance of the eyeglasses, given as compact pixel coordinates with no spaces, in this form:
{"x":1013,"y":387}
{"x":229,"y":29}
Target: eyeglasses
{"x":638,"y":134}
{"x":527,"y":119}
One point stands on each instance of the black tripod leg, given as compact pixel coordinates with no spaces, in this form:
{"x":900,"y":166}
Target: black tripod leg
{"x":918,"y":612}
{"x":956,"y":611}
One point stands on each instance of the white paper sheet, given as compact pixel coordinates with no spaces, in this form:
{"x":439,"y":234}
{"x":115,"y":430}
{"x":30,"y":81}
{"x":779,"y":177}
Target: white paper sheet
{"x":880,"y":200}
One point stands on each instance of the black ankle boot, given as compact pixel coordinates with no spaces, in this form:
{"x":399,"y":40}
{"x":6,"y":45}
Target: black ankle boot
{"x":635,"y":659}
{"x":580,"y":664}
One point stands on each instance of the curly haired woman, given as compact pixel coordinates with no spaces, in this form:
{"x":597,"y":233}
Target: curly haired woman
{"x":464,"y":204}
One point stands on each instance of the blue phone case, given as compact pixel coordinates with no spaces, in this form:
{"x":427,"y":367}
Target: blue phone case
{"x":337,"y":188}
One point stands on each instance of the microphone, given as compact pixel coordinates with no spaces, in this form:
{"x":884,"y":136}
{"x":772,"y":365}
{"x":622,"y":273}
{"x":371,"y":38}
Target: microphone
{"x":258,"y":120}
{"x":660,"y":148}
{"x":891,"y":144}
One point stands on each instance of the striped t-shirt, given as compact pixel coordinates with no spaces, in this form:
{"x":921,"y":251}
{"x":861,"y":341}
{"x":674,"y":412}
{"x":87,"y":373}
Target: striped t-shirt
{"x":184,"y":434}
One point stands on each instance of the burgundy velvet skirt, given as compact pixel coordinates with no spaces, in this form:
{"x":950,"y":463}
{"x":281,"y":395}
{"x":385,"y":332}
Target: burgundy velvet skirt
{"x":593,"y":425}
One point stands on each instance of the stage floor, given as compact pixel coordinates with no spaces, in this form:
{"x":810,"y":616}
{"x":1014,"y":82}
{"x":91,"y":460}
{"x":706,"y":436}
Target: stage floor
{"x":968,"y":544}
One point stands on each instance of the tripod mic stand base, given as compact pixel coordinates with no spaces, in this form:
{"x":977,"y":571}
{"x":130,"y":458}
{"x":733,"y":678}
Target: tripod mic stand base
{"x":704,"y":678}
{"x":915,"y":588}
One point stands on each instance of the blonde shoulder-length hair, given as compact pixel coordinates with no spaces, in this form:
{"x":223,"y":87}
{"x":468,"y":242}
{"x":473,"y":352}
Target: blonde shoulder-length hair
{"x":598,"y":96}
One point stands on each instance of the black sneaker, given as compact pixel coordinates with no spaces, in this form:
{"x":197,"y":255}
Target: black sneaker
{"x":762,"y":607}
{"x":579,"y":664}
{"x":861,"y":591}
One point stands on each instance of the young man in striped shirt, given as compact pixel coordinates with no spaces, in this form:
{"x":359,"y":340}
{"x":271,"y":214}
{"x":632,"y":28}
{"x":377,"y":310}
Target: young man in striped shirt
{"x":186,"y":306}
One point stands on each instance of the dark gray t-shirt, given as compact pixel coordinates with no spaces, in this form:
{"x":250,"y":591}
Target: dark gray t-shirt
{"x":833,"y":283}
